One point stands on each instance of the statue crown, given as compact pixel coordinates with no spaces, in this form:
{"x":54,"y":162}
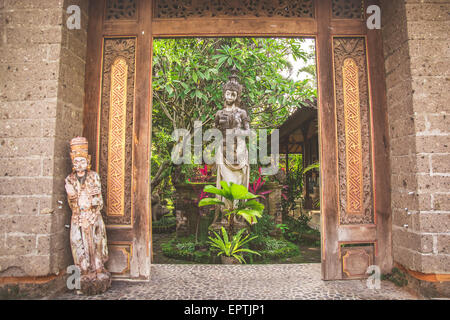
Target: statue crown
{"x":233,"y":83}
{"x":79,"y":148}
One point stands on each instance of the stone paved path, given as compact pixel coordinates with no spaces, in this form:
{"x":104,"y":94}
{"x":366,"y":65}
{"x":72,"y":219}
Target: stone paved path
{"x":244,"y":282}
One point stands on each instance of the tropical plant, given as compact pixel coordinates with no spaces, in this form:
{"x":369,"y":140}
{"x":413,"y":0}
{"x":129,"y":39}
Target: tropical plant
{"x":188,"y":75}
{"x":257,"y":185}
{"x":293,"y":190}
{"x":236,"y":204}
{"x":234,"y":248}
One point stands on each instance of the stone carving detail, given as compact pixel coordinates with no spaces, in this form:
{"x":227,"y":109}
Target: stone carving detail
{"x":168,"y":9}
{"x":353,"y":125}
{"x":87,"y":230}
{"x":117,"y":135}
{"x":116,"y":129}
{"x":348,"y":9}
{"x":121,"y":10}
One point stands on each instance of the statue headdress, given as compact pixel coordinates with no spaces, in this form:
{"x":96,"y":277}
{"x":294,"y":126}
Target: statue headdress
{"x":79,"y":148}
{"x":233,"y":83}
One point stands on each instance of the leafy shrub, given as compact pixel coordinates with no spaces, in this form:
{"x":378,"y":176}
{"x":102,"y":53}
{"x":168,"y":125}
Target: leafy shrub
{"x":277,"y":249}
{"x":186,"y":246}
{"x":274,"y":244}
{"x":297,"y":228}
{"x":396,"y":276}
{"x":166,"y":224}
{"x":185,"y":249}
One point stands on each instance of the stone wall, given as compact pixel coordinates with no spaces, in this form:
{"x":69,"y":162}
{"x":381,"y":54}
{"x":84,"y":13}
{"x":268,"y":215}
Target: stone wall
{"x":41,"y":99}
{"x":416,"y":49}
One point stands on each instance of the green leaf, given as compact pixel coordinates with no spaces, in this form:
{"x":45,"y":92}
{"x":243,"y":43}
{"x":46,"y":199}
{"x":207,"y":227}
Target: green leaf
{"x":209,"y":202}
{"x":240,"y":192}
{"x":255,"y":205}
{"x":211,"y":189}
{"x":226,"y":189}
{"x":249,"y":215}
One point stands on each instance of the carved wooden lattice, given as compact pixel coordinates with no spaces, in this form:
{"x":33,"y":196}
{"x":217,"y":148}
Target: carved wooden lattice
{"x":116,"y":145}
{"x":116,"y":129}
{"x":352,"y":136}
{"x":353,"y":125}
{"x":348,"y":9}
{"x":121,"y":10}
{"x":167,"y":9}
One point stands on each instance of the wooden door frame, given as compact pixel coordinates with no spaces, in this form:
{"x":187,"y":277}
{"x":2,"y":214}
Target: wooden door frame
{"x":323,"y":28}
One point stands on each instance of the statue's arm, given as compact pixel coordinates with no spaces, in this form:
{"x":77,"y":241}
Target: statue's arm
{"x":72,"y":197}
{"x":97,"y":199}
{"x":245,"y":121}
{"x":216,"y":119}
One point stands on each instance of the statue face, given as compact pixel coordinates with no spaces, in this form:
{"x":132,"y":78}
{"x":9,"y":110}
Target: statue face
{"x":230,"y":96}
{"x":80,"y":164}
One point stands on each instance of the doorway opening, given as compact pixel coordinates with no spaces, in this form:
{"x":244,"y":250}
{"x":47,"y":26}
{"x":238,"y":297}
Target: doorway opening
{"x":279,"y":82}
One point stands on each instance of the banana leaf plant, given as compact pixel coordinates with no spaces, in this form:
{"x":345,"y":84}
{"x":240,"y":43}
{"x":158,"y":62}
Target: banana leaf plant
{"x":236,"y":201}
{"x":233,"y":247}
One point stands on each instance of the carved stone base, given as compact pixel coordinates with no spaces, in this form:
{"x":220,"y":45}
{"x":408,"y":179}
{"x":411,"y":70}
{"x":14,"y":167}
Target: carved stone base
{"x":95,"y":283}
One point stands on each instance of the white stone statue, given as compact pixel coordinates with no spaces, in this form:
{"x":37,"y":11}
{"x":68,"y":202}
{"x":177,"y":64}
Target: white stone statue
{"x":232,"y":162}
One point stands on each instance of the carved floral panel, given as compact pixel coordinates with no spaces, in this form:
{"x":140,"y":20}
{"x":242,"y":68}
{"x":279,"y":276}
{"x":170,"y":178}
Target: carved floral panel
{"x":348,"y":9}
{"x":121,"y":10}
{"x":168,"y":9}
{"x":353,"y":126}
{"x":116,"y":129}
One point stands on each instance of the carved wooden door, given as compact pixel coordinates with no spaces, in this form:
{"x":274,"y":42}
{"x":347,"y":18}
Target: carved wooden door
{"x":355,"y":192}
{"x":117,"y":118}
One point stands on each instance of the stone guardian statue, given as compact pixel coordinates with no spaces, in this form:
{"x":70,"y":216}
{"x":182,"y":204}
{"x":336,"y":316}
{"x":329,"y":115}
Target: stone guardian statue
{"x":232,"y":160}
{"x":87,"y":230}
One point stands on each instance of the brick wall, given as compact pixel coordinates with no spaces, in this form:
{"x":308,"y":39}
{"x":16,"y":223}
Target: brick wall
{"x":418,"y":77}
{"x":41,"y":101}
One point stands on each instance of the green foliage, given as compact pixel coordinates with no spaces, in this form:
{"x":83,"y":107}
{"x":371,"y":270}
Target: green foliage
{"x":264,"y":226}
{"x":297,"y":228}
{"x":234,"y":247}
{"x":235,"y":193}
{"x":397,"y":277}
{"x":188,"y":75}
{"x":181,"y":249}
{"x":283,"y":227}
{"x":275,"y":249}
{"x":295,"y":182}
{"x":186,"y":246}
{"x":166,"y":224}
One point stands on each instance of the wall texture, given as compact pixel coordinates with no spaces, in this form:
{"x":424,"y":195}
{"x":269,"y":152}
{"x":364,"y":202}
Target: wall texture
{"x":41,"y":99}
{"x":417,"y":52}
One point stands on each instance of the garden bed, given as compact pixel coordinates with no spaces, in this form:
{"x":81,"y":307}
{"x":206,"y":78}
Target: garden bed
{"x":186,"y":249}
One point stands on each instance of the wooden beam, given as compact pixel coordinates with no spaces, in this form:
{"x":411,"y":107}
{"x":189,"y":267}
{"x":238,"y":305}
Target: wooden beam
{"x":380,"y":148}
{"x":210,"y":27}
{"x":328,"y":150}
{"x":93,"y":78}
{"x":141,"y":149}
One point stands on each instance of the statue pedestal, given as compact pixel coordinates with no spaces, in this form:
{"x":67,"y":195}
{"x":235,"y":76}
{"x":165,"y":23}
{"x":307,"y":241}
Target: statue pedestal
{"x":95,"y":283}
